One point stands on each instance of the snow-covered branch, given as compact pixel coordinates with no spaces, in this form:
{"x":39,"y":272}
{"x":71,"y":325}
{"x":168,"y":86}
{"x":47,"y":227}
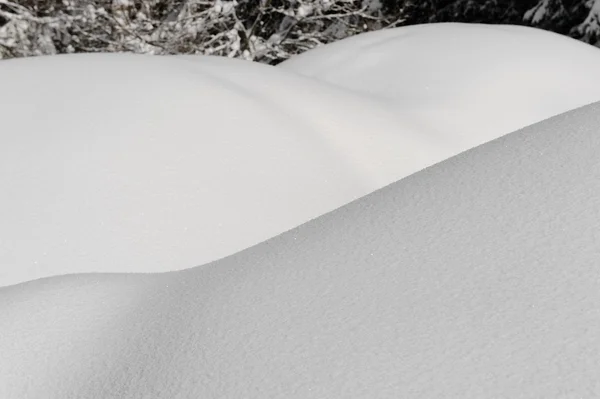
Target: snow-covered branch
{"x":257,"y":30}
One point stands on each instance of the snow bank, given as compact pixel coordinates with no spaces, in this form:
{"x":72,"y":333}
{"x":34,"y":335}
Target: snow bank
{"x":475,"y":278}
{"x":468,"y":82}
{"x":123,"y":163}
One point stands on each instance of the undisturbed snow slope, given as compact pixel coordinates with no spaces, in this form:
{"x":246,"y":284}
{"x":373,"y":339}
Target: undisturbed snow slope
{"x":477,"y":278}
{"x":124,"y":163}
{"x":469,"y":82}
{"x":128,"y":163}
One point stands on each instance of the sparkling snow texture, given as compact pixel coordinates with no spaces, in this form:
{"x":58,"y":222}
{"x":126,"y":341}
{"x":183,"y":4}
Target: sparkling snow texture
{"x":476,"y":278}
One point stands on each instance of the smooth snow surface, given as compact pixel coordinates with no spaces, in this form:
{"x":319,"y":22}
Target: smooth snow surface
{"x":477,"y":278}
{"x":127,"y":163}
{"x":468,"y":82}
{"x":124,"y":163}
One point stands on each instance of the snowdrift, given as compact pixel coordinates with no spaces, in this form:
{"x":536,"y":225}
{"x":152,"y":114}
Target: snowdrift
{"x":470,"y":83}
{"x":475,"y":278}
{"x":123,"y":163}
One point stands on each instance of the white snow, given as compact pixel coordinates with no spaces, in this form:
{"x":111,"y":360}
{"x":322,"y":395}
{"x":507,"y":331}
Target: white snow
{"x":128,"y":163}
{"x":476,"y":278}
{"x":124,"y":163}
{"x":540,"y":11}
{"x":468,"y":82}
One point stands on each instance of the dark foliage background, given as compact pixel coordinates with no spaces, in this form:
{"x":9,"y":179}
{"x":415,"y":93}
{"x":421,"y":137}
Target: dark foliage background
{"x":262,"y":30}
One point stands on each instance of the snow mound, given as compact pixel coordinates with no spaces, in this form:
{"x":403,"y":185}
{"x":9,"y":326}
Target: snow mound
{"x":125,"y":163}
{"x":476,"y":278}
{"x":128,"y":163}
{"x":468,"y":82}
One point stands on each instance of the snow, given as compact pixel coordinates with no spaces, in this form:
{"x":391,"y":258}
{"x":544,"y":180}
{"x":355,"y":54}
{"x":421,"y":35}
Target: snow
{"x":468,"y":82}
{"x":473,"y":278}
{"x":538,"y":13}
{"x":217,"y":155}
{"x":590,"y":27}
{"x":128,"y":163}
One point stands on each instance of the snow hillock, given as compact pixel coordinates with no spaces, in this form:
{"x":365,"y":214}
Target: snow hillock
{"x":470,"y":83}
{"x":130,"y":163}
{"x":476,"y":278}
